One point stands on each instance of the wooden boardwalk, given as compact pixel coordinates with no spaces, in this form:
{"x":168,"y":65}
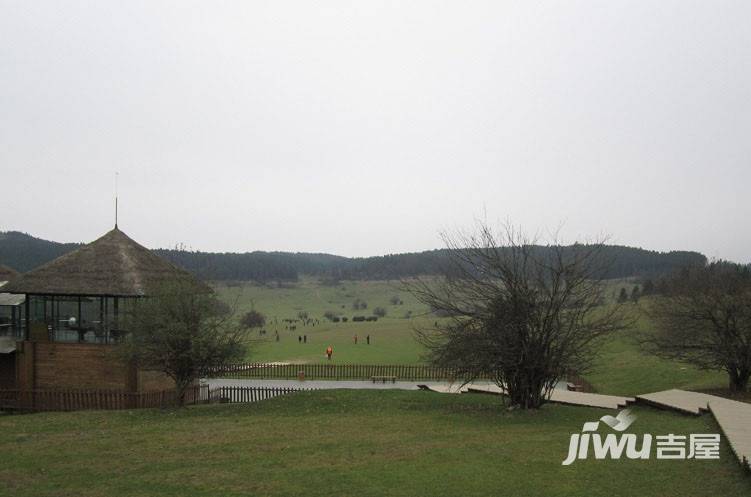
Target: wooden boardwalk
{"x":733,"y":417}
{"x":590,"y":399}
{"x":681,"y":400}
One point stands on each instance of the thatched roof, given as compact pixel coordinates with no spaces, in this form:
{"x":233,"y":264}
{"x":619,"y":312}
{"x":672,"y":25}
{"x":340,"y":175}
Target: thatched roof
{"x":6,"y":273}
{"x":113,"y":265}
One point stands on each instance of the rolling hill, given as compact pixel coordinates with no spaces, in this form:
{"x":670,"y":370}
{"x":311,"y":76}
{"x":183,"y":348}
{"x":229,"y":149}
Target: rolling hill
{"x":24,"y":252}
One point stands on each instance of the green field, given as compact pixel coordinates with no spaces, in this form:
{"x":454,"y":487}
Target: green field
{"x":621,"y":367}
{"x":361,"y":443}
{"x":340,"y":442}
{"x":391,"y":338}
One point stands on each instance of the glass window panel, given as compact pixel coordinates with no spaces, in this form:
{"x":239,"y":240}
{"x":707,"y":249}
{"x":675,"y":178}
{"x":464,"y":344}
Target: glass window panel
{"x":65,"y":320}
{"x":90,"y":326}
{"x":6,"y":320}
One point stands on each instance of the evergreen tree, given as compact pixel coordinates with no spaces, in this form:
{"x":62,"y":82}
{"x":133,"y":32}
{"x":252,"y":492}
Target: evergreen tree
{"x":635,"y":294}
{"x":623,"y":296}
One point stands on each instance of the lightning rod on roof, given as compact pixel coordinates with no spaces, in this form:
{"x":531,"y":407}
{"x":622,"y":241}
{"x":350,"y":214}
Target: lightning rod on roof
{"x":116,"y":177}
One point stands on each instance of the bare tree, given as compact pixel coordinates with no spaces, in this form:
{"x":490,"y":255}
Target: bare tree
{"x":528,"y":315}
{"x":184,"y":332}
{"x":703,"y":317}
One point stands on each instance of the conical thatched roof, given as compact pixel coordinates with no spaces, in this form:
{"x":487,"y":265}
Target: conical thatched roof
{"x":113,"y":265}
{"x":6,"y":273}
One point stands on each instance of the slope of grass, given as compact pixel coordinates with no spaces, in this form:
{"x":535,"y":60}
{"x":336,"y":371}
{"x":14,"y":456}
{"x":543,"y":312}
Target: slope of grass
{"x":623,"y":368}
{"x":392,"y":338}
{"x":358,"y":443}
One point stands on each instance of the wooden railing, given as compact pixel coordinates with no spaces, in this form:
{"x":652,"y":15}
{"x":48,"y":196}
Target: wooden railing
{"x":335,"y":371}
{"x":77,"y":400}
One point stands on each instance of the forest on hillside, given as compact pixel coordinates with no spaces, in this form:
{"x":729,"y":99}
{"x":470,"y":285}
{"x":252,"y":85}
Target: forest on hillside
{"x":24,"y":252}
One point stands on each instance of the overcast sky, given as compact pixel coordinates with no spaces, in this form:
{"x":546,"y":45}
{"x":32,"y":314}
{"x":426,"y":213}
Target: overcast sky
{"x":365,"y":128}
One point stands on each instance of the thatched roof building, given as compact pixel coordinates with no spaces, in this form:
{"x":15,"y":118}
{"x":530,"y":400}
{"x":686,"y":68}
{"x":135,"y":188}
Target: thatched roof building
{"x":6,"y":273}
{"x":112,"y":266}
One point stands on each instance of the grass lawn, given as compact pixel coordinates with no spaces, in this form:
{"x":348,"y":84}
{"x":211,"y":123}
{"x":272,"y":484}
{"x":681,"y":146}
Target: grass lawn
{"x":621,"y":368}
{"x":392,"y":340}
{"x":340,"y":442}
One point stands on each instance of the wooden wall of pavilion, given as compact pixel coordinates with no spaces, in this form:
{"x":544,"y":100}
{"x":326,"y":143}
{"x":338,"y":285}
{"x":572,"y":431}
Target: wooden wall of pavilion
{"x":42,"y":365}
{"x":8,"y":370}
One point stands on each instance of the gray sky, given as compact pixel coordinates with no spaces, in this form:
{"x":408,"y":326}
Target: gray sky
{"x":364,"y":128}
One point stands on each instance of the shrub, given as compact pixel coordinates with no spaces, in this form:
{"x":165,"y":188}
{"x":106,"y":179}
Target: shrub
{"x":253,"y":319}
{"x":622,"y":296}
{"x":379,"y":311}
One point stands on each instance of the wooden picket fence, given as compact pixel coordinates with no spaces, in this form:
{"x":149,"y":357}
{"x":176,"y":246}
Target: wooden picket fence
{"x":334,"y":371}
{"x":249,"y":394}
{"x":80,"y":399}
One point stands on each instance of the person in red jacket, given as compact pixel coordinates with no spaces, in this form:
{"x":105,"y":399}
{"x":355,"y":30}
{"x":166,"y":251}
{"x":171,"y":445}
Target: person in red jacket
{"x":329,"y":352}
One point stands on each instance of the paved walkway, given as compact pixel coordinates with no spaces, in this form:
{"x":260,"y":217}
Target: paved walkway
{"x":441,"y":386}
{"x":437,"y":386}
{"x":559,"y":395}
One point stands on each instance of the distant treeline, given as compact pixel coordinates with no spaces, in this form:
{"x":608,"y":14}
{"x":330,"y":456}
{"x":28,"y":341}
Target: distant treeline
{"x":23,"y":252}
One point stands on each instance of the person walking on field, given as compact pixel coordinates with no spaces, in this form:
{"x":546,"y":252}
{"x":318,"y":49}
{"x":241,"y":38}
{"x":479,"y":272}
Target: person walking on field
{"x":367,"y":338}
{"x":329,"y":352}
{"x":355,"y":337}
